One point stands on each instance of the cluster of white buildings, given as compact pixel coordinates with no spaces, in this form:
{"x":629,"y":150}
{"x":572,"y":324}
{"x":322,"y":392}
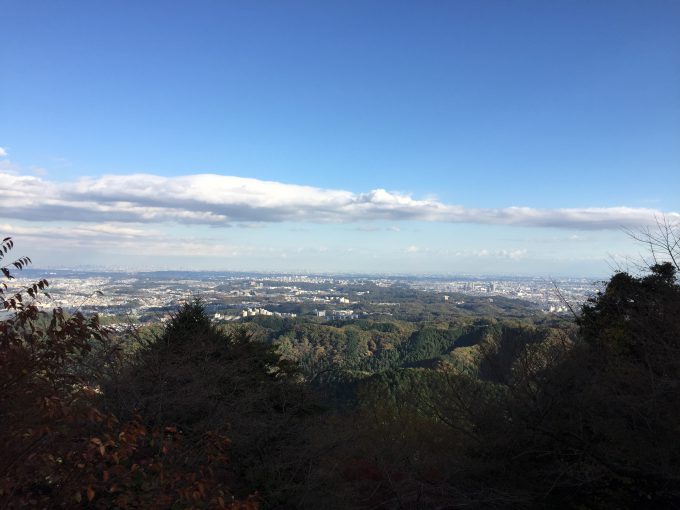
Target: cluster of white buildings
{"x":250,"y":312}
{"x":337,"y":314}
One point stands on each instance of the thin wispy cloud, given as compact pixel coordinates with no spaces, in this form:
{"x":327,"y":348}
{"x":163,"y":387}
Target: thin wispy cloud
{"x":82,"y":232}
{"x":212,"y":199}
{"x":121,"y":238}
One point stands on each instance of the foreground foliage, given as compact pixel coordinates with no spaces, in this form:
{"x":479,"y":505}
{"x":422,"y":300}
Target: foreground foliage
{"x":61,"y":448}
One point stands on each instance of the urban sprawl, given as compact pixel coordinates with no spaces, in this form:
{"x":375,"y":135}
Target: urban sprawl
{"x":151,"y":297}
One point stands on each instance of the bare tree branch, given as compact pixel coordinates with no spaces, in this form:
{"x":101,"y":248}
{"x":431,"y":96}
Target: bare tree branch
{"x":662,"y":241}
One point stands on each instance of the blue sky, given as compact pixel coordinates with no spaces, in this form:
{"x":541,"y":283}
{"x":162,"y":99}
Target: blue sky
{"x":510,"y":137}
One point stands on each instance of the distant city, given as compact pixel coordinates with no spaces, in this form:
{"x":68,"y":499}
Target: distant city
{"x":146,"y":297}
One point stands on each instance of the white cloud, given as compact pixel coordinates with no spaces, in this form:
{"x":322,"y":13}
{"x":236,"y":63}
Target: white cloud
{"x":101,"y":230}
{"x":3,"y":152}
{"x":485,"y":253}
{"x":218,"y":200}
{"x":251,"y":225}
{"x":121,"y":239}
{"x":511,"y":254}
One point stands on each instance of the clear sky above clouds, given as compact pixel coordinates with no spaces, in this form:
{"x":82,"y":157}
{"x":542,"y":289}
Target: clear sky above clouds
{"x":426,"y":137}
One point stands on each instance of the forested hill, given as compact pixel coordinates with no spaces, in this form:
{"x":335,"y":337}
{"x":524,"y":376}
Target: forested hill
{"x":352,"y":350}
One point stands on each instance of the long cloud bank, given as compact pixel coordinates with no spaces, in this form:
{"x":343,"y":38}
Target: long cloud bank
{"x":219,"y":200}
